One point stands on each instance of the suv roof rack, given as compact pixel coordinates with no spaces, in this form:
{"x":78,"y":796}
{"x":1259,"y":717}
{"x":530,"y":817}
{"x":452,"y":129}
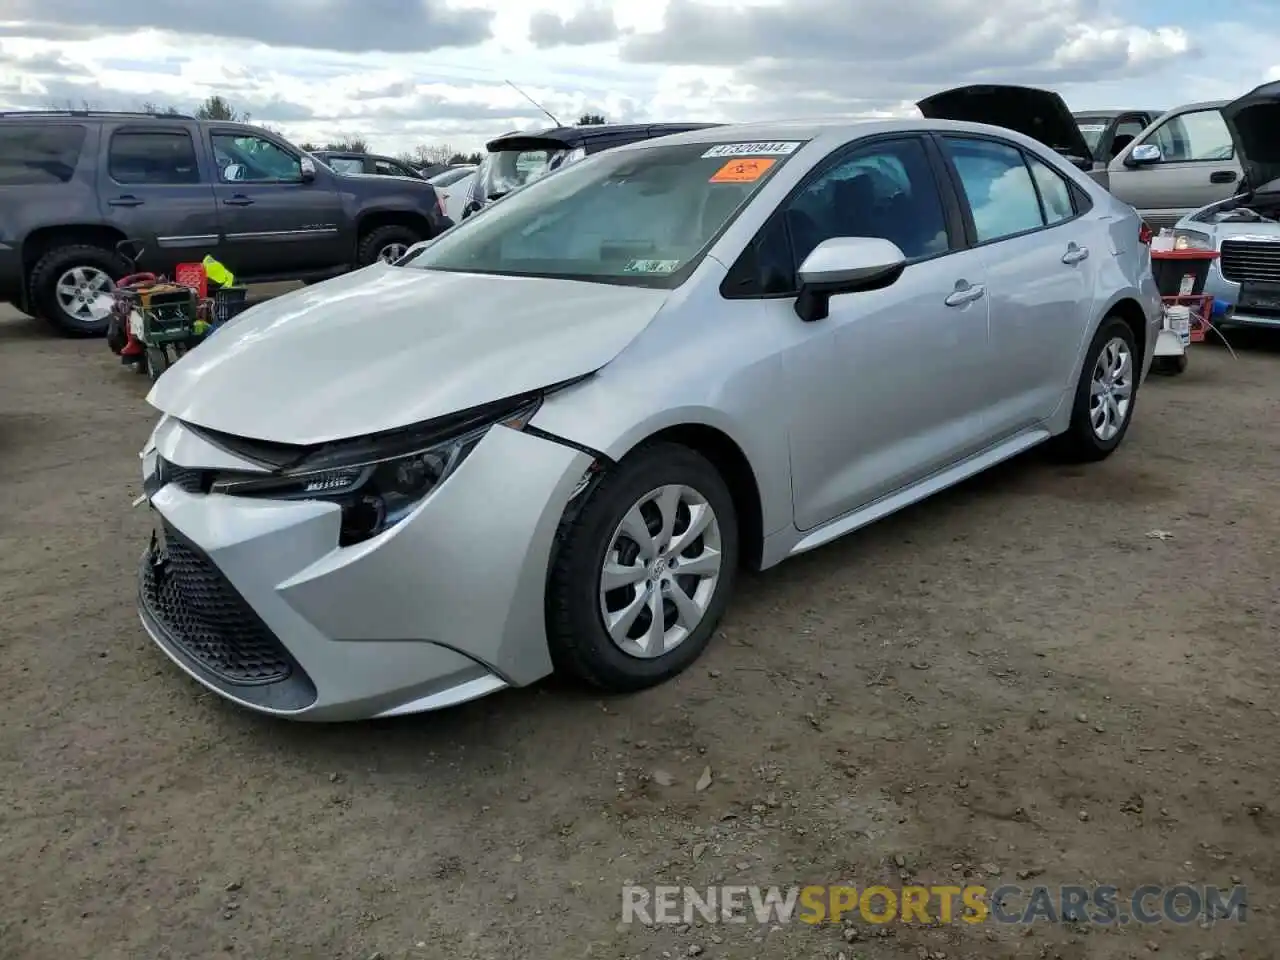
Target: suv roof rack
{"x":95,"y":113}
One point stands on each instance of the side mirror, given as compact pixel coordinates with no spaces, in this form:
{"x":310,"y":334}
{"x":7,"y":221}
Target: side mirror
{"x":233,"y":172}
{"x":845,"y":265}
{"x":308,"y":169}
{"x":1143,"y":154}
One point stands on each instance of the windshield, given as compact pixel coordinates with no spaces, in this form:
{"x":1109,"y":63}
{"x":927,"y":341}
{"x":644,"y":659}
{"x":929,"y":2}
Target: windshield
{"x":1092,"y":128}
{"x":641,"y":217}
{"x":506,"y":170}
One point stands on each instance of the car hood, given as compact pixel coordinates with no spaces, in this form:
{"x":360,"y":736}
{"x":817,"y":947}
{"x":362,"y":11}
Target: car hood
{"x":387,"y":347}
{"x":1039,"y":114}
{"x":1254,"y":122}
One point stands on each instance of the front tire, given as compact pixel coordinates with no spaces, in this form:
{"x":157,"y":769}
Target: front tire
{"x":643,"y":570}
{"x":1105,"y":395}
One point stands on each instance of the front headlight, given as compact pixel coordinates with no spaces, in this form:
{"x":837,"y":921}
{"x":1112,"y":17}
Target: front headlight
{"x":377,"y":483}
{"x":1191,"y":240}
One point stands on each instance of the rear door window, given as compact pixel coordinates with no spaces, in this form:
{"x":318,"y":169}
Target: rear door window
{"x":998,"y":185}
{"x":146,"y":157}
{"x":32,"y":154}
{"x":390,"y":168}
{"x":1055,"y":194}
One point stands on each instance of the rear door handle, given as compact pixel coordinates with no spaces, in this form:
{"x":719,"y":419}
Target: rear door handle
{"x":125,"y":201}
{"x":1222,"y":176}
{"x":1075,"y":254}
{"x":239,"y":200}
{"x":965,"y":293}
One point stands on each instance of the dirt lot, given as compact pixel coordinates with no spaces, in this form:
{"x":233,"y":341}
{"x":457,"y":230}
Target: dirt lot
{"x":1015,"y":677}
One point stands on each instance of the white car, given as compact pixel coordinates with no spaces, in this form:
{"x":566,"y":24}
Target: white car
{"x":453,"y":186}
{"x":548,"y":438}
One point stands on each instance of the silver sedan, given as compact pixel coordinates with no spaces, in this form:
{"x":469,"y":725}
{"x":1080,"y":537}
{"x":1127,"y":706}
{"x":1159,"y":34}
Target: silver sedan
{"x":549,"y":438}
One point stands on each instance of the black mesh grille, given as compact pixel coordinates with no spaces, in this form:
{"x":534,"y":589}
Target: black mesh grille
{"x":207,"y":618}
{"x":188,"y":479}
{"x":1251,"y":260}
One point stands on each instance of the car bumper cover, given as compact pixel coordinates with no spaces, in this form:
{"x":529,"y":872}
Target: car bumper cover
{"x":257,"y":601}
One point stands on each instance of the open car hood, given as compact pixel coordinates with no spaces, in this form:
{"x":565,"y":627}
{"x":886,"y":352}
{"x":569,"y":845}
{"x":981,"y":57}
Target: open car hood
{"x":1039,"y":114}
{"x":1254,"y":122}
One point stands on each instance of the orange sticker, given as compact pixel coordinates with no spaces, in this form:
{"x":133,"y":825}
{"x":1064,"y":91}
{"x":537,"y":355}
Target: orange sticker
{"x":744,"y":170}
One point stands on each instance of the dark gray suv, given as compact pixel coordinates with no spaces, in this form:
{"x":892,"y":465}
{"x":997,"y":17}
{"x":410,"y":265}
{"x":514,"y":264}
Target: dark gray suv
{"x":73,"y":184}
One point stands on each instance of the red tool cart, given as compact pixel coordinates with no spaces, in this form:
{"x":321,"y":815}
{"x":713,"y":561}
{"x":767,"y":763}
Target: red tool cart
{"x":1181,"y":275}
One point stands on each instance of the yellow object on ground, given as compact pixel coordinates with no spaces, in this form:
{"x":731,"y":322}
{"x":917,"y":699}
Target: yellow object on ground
{"x":218,"y":273}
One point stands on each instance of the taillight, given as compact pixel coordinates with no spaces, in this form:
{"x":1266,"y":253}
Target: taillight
{"x":1144,"y":233}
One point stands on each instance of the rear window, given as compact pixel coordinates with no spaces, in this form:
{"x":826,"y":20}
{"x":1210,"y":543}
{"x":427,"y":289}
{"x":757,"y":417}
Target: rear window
{"x":153,"y":157}
{"x":39,"y":153}
{"x":639,"y":217}
{"x":1092,"y":129}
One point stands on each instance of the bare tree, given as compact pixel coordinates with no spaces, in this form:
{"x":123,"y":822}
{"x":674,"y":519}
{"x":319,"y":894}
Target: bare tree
{"x":427,"y":153}
{"x":166,"y":111}
{"x":69,"y":104}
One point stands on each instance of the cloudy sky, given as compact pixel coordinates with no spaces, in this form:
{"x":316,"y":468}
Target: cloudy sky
{"x":404,"y":72}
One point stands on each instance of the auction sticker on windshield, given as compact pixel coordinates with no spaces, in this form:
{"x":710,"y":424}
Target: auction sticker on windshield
{"x":780,"y":148}
{"x":747,"y":170}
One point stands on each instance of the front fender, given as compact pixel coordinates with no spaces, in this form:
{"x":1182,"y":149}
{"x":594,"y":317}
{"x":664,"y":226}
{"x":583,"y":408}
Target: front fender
{"x":599,"y":415}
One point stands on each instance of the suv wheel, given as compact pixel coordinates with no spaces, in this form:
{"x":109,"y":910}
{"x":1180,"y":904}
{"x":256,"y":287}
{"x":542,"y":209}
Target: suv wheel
{"x":71,"y":288}
{"x":387,"y":244}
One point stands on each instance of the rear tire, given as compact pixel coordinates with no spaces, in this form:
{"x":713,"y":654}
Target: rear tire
{"x":378,"y":243}
{"x":1105,"y":395}
{"x":664,"y":480}
{"x":52,"y":283}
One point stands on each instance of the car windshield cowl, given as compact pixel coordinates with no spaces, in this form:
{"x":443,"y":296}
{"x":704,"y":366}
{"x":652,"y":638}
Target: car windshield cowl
{"x":640,"y":216}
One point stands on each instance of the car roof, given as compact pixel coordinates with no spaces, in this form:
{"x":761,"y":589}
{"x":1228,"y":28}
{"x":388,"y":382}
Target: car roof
{"x":572,"y":136}
{"x":1112,"y":114}
{"x":1198,"y":105}
{"x":829,"y":133}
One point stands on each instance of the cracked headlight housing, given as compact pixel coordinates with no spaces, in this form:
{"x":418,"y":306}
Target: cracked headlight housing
{"x":379,"y":481}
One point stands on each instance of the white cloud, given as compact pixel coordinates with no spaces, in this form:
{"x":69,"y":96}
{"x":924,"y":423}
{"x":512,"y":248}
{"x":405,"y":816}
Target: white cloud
{"x":403,"y":72}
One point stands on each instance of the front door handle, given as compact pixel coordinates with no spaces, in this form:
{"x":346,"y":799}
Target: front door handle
{"x":1075,"y":254}
{"x":125,"y":201}
{"x":1222,"y":176}
{"x":239,"y":200}
{"x":965,"y":293}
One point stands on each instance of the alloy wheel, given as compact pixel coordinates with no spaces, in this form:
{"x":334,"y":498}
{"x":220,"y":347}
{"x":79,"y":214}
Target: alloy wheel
{"x":392,"y":252}
{"x":1111,"y":389}
{"x":660,"y":571}
{"x":84,"y":294}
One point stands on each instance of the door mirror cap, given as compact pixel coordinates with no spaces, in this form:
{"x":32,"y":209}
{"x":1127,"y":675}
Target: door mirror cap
{"x":1142,"y":154}
{"x":845,"y":265}
{"x":308,"y":168}
{"x":233,"y":172}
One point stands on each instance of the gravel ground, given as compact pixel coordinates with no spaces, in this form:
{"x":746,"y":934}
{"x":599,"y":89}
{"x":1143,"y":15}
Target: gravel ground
{"x":1015,"y":679}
